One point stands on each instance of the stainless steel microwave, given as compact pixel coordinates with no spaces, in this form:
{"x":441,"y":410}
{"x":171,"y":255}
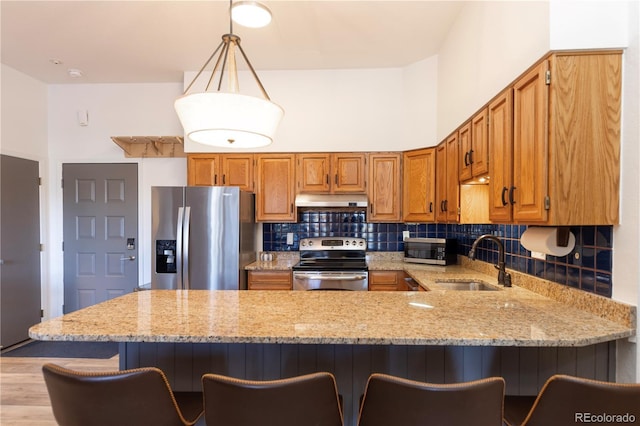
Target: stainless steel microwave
{"x":431,"y":251}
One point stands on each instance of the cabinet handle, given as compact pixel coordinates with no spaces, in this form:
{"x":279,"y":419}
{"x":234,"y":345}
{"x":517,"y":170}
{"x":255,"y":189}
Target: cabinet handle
{"x":504,"y":192}
{"x":291,"y":208}
{"x":224,"y":179}
{"x":511,"y":200}
{"x":446,"y":205}
{"x":442,"y":205}
{"x":215,"y":180}
{"x":431,"y":207}
{"x":336,"y":179}
{"x":327,"y":179}
{"x":466,"y":159}
{"x":471,"y":157}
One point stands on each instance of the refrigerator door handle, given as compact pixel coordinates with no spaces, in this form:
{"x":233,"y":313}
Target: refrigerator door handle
{"x":185,"y":248}
{"x":179,"y":248}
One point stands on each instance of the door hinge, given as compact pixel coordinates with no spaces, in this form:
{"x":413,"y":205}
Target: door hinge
{"x":41,"y":247}
{"x":547,"y":203}
{"x":62,"y":246}
{"x":39,"y":181}
{"x":41,"y":313}
{"x":62,"y":183}
{"x":547,"y":77}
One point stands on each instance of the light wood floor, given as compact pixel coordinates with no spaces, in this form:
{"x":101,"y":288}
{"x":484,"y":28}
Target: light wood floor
{"x":23,"y":394}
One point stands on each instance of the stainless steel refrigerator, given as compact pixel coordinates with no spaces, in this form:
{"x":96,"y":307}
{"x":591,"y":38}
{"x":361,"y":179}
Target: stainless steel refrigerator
{"x":202,"y":237}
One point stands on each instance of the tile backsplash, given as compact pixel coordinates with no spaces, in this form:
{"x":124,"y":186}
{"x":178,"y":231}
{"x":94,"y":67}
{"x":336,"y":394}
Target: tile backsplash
{"x":587,"y":267}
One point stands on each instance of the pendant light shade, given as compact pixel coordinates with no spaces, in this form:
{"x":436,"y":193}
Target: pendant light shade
{"x":228,"y":118}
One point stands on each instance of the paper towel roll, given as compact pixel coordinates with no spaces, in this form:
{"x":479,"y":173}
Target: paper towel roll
{"x":544,"y":240}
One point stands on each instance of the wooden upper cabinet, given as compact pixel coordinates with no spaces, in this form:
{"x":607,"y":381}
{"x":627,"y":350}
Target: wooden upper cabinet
{"x":530,"y":178}
{"x":331,"y":173}
{"x":584,"y":137}
{"x":275,"y":190}
{"x":565,"y":154}
{"x":466,"y":152}
{"x":418,"y":185}
{"x":452,"y":202}
{"x":221,"y":169}
{"x":349,"y":172}
{"x":384,"y":187}
{"x":500,"y":112}
{"x":447,"y":183}
{"x":313,"y":172}
{"x":441,"y":181}
{"x":203,"y":169}
{"x":479,"y":157}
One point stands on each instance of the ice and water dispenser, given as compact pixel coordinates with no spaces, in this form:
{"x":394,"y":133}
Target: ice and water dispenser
{"x":166,"y":256}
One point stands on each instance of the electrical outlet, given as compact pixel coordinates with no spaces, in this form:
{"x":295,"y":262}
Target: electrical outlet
{"x":290,"y":238}
{"x":538,"y":255}
{"x":405,"y":235}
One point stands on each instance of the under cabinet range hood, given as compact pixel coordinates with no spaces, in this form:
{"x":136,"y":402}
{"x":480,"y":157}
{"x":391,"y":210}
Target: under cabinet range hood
{"x":332,"y":200}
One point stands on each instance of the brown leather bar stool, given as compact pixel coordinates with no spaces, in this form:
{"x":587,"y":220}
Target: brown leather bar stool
{"x":311,"y":399}
{"x":134,"y":397}
{"x":390,"y":400}
{"x":567,"y":400}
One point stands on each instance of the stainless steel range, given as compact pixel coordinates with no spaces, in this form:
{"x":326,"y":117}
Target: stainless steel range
{"x":332,"y":263}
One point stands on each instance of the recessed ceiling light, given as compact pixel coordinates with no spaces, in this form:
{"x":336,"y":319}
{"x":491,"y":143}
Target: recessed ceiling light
{"x":74,"y":73}
{"x":250,"y":14}
{"x":55,"y":61}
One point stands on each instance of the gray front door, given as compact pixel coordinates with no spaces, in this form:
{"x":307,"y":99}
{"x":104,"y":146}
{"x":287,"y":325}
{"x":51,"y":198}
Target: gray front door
{"x":19,"y":248}
{"x":100,"y":221}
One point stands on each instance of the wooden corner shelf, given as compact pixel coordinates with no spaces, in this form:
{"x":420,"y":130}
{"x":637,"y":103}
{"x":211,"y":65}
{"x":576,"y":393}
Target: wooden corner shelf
{"x":150,"y":146}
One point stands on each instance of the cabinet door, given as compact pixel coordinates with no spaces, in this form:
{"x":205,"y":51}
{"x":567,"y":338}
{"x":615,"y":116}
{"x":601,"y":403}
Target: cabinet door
{"x":418,"y":185}
{"x":501,"y":153}
{"x":441,"y":182}
{"x":479,"y":156}
{"x":530,"y":152}
{"x":466,"y":153}
{"x":269,"y":280}
{"x":237,"y":170}
{"x":275,"y":188}
{"x":452,"y":201}
{"x":384,"y":188}
{"x":202,"y":169}
{"x":313,"y":172}
{"x":385,"y":280}
{"x":349,"y":173}
{"x":584,"y":138}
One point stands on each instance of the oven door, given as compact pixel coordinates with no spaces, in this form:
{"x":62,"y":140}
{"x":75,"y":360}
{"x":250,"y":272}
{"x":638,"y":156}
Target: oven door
{"x":331,"y":280}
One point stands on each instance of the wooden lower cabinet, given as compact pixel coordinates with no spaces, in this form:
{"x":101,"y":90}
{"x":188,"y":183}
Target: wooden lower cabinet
{"x":269,"y":280}
{"x":390,"y":281}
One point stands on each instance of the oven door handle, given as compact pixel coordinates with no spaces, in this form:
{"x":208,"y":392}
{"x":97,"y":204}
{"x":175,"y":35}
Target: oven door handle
{"x":354,"y":277}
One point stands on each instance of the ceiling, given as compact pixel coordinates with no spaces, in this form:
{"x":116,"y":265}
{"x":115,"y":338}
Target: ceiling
{"x":156,"y":41}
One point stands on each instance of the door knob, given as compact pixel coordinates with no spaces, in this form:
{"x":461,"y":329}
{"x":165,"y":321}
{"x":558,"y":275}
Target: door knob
{"x":131,"y":258}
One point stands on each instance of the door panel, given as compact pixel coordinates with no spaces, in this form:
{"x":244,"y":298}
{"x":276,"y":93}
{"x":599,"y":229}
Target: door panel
{"x":100,"y":227}
{"x":19,"y":249}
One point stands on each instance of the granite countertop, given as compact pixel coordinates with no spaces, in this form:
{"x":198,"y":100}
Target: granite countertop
{"x":506,"y":317}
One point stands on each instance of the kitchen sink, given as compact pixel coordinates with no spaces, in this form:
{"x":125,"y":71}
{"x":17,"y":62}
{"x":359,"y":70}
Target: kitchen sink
{"x":470,"y":285}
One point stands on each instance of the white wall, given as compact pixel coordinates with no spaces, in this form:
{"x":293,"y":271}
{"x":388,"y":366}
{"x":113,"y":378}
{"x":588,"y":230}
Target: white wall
{"x":114,"y":110}
{"x":490,"y":44}
{"x":343,"y":110}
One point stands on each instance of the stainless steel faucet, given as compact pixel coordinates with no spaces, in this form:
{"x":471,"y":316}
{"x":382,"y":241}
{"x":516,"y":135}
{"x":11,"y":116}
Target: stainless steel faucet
{"x":504,"y":277}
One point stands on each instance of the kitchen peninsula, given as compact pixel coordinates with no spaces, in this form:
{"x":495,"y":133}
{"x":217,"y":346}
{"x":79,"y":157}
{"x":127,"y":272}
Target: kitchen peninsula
{"x":437,"y":335}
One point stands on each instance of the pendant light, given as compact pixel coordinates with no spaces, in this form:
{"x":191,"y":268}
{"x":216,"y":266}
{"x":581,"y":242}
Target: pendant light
{"x":228,"y":118}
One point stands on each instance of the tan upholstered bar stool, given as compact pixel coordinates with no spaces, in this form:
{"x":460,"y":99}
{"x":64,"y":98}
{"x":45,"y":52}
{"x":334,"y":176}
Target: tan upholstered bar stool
{"x":567,"y":400}
{"x":304,"y":400}
{"x":390,"y":400}
{"x":136,"y":397}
